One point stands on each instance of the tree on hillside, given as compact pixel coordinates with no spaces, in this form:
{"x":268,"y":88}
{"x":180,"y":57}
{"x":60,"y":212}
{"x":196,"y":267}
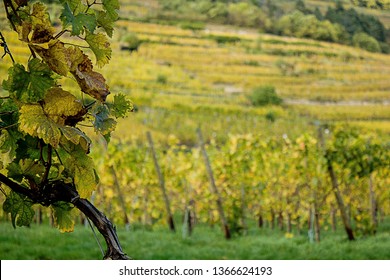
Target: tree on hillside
{"x":354,"y":22}
{"x":373,"y":4}
{"x":245,"y":14}
{"x":43,"y":148}
{"x":300,"y":6}
{"x":367,"y":42}
{"x":308,"y":26}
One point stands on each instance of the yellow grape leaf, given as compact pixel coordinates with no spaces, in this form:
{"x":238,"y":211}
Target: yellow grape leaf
{"x":33,"y":121}
{"x":41,"y":24}
{"x":60,"y":105}
{"x":64,"y":216}
{"x":75,"y":57}
{"x":24,"y":30}
{"x":100,"y":47}
{"x":82,"y":169}
{"x":55,"y":56}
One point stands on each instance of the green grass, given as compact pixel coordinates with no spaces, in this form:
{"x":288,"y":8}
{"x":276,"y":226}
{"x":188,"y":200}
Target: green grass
{"x":43,"y":242}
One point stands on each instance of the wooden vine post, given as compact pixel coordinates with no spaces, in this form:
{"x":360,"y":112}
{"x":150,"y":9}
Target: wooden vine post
{"x":120,"y":196}
{"x":213,"y":186}
{"x":336,"y":189}
{"x":161,"y":182}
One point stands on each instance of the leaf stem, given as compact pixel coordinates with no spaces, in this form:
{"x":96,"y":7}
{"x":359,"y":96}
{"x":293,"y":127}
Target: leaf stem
{"x":7,"y":113}
{"x":8,"y":126}
{"x":75,"y":45}
{"x":47,"y":165}
{"x":89,"y":5}
{"x":60,"y":34}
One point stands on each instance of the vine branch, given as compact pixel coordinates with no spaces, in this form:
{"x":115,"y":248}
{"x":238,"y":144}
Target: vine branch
{"x":67,"y":193}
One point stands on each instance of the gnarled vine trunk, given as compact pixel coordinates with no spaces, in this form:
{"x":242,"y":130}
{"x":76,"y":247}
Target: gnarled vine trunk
{"x":67,"y":193}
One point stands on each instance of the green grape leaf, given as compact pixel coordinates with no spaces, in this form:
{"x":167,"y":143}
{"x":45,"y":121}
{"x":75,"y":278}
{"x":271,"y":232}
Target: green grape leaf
{"x":31,"y":85}
{"x":100,"y":47}
{"x":78,"y":21}
{"x":32,"y":170}
{"x":55,"y":56}
{"x":106,"y":22}
{"x":20,"y":209}
{"x":8,"y":113}
{"x":111,"y":6}
{"x":121,"y":106}
{"x":103,"y":123}
{"x":8,"y":148}
{"x":81,"y":168}
{"x":60,"y":105}
{"x":90,"y":82}
{"x":75,"y":5}
{"x":18,"y":82}
{"x":33,"y":121}
{"x":64,"y":216}
{"x":76,"y":136}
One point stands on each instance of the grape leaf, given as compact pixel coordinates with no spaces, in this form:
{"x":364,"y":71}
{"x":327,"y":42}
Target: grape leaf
{"x":54,"y":56}
{"x":90,"y":82}
{"x":24,"y":29}
{"x":33,"y":121}
{"x":103,"y":123}
{"x":41,"y":34}
{"x":8,"y":113}
{"x":106,"y":22}
{"x":100,"y":47}
{"x":39,"y":15}
{"x":77,"y":20}
{"x":38,"y":21}
{"x":32,"y":170}
{"x":48,"y":120}
{"x":64,"y":216}
{"x":75,"y":5}
{"x":8,"y":148}
{"x":60,"y":105}
{"x":31,"y":85}
{"x":121,"y":106}
{"x":81,"y":168}
{"x":20,"y":209}
{"x":41,"y":24}
{"x":76,"y":136}
{"x":111,"y":6}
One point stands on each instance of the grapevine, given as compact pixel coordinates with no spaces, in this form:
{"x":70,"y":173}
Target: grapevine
{"x":44,"y":149}
{"x":280,"y":181}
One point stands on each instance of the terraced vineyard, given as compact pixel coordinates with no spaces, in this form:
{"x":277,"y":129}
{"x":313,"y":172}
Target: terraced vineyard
{"x":178,"y":72}
{"x":275,"y":165}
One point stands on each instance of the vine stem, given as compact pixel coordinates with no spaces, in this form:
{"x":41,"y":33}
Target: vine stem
{"x":60,"y":34}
